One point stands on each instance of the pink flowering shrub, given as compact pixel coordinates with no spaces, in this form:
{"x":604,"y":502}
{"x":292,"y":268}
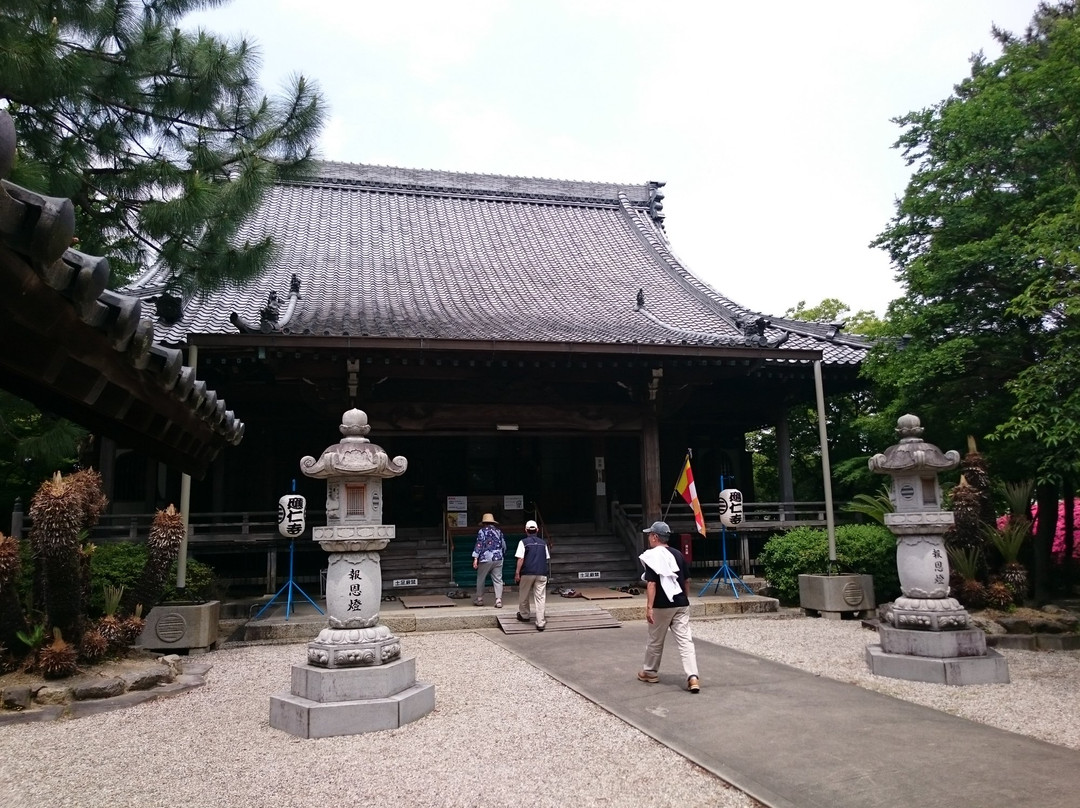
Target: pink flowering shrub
{"x":1058,"y":549}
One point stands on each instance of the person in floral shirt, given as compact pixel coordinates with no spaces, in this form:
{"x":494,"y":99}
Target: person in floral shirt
{"x":488,"y":559}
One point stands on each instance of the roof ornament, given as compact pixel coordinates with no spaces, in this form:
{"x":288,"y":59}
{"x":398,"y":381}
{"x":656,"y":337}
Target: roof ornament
{"x":268,"y":315}
{"x":271,"y":317}
{"x":754,"y":330}
{"x":640,"y":298}
{"x":656,"y":202}
{"x":168,"y":308}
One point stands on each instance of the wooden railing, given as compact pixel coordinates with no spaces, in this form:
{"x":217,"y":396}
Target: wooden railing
{"x":760,"y":519}
{"x":757,"y":516}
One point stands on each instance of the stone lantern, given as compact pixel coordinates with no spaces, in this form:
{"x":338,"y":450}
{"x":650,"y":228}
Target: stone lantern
{"x":927,"y":635}
{"x":355,"y":679}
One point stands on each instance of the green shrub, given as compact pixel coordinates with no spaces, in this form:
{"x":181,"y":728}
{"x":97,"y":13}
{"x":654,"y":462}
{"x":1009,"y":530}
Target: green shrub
{"x":114,"y":564}
{"x":200,"y":582}
{"x":121,"y":564}
{"x":865,"y":549}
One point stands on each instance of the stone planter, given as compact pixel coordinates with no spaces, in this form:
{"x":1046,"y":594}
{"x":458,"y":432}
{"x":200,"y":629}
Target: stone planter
{"x":182,"y":626}
{"x":836,"y":595}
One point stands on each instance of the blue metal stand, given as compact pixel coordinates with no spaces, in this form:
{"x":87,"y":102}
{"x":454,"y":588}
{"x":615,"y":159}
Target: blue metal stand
{"x":725,"y":574}
{"x":289,"y":586}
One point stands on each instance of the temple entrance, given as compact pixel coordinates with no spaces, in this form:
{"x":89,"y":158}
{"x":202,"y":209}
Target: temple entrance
{"x":555,"y":473}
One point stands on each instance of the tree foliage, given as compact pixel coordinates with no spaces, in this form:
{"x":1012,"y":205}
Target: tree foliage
{"x":160,"y":136}
{"x":832,"y":310}
{"x":986,"y":241}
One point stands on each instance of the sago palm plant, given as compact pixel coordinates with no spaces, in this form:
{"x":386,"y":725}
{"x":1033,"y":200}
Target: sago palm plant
{"x":57,"y":659}
{"x":1008,"y":540}
{"x":110,"y":626}
{"x":875,"y":506}
{"x":57,"y":513}
{"x":162,"y":548}
{"x":12,"y":618}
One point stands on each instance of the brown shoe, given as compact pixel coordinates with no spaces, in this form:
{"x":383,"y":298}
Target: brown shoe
{"x":693,"y":685}
{"x":648,"y":677}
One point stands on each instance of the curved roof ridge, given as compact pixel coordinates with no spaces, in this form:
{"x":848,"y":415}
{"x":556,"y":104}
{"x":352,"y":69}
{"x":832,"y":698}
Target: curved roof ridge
{"x":649,"y":235}
{"x":724,"y":306}
{"x":710,"y":336}
{"x":468,"y":184}
{"x":831,"y":332}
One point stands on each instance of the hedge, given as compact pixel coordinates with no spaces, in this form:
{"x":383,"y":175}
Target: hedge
{"x":864,"y":549}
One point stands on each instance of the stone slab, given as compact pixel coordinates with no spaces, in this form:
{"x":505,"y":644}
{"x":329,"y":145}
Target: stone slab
{"x":937,"y":644}
{"x":1036,"y":642}
{"x":306,"y":719}
{"x":326,"y":685}
{"x":990,"y":669}
{"x":415,"y":703}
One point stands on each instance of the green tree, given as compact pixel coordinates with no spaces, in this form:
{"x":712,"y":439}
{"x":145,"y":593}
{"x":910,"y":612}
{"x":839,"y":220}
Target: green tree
{"x":32,"y":446}
{"x":162,"y":140}
{"x":831,"y":310}
{"x":852,"y":437}
{"x":985,"y":244}
{"x":160,"y":136}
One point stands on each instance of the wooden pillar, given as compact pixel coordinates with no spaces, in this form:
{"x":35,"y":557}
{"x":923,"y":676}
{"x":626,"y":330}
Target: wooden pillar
{"x":107,"y":466}
{"x":650,"y":468}
{"x":783,"y":461}
{"x":217,"y":471}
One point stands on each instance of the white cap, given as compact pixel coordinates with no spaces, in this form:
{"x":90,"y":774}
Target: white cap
{"x":531,"y":525}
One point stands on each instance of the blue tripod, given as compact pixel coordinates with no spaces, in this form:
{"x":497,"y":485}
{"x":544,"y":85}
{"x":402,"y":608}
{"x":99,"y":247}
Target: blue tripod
{"x":725,"y":574}
{"x":289,"y":586}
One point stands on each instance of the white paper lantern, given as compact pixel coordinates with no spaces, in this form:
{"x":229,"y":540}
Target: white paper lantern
{"x":291,"y":515}
{"x":731,"y":507}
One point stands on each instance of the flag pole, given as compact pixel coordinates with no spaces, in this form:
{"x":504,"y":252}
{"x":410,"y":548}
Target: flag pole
{"x":675,"y":488}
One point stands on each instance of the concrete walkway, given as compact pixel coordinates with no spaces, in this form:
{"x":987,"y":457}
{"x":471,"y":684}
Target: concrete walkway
{"x":794,"y":740}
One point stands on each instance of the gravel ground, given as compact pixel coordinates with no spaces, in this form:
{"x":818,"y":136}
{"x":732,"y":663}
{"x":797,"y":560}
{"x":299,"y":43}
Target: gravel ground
{"x":214,"y":747}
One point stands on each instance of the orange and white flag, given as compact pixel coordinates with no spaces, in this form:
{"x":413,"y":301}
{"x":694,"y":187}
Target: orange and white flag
{"x":688,"y":491}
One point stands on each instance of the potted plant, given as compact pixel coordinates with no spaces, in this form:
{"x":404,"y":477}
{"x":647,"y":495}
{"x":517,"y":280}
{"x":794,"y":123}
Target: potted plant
{"x":190,"y":624}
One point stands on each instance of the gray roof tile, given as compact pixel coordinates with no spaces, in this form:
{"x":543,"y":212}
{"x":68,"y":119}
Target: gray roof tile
{"x":402,"y":253}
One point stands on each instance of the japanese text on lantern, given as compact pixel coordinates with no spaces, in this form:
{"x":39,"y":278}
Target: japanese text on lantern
{"x":292,"y":510}
{"x":731,"y":507}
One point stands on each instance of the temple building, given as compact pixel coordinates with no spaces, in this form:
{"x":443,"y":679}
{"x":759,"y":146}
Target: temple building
{"x":531,"y":345}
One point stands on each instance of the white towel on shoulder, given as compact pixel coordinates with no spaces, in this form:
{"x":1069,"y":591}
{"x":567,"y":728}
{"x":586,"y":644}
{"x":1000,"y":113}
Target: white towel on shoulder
{"x":662,"y":562}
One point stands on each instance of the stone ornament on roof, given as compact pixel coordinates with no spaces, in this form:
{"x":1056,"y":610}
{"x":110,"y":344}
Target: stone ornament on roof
{"x":355,"y":454}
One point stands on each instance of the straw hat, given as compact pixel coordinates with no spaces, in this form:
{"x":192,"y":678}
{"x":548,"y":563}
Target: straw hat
{"x":488,"y":519}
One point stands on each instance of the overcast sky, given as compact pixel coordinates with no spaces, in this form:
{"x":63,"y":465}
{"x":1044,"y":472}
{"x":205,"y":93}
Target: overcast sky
{"x":769,"y":121}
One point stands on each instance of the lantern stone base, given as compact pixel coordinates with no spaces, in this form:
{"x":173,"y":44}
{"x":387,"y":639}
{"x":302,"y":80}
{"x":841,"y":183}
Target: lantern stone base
{"x":940,"y":644}
{"x":990,"y":669}
{"x":837,"y":595}
{"x":940,"y":657}
{"x":326,"y":702}
{"x":352,"y":648}
{"x":930,"y":614}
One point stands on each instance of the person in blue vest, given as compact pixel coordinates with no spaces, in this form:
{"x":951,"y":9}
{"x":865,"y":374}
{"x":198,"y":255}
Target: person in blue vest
{"x":667,"y":606}
{"x":487,"y":558}
{"x":531,"y":575}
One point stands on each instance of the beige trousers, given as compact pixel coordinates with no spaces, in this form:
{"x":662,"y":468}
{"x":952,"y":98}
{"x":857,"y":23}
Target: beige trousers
{"x":678,"y":620}
{"x":533,"y":590}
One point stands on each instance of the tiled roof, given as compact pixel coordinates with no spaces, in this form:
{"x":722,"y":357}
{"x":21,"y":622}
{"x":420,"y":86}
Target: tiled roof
{"x":399,"y":253}
{"x":73,"y":346}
